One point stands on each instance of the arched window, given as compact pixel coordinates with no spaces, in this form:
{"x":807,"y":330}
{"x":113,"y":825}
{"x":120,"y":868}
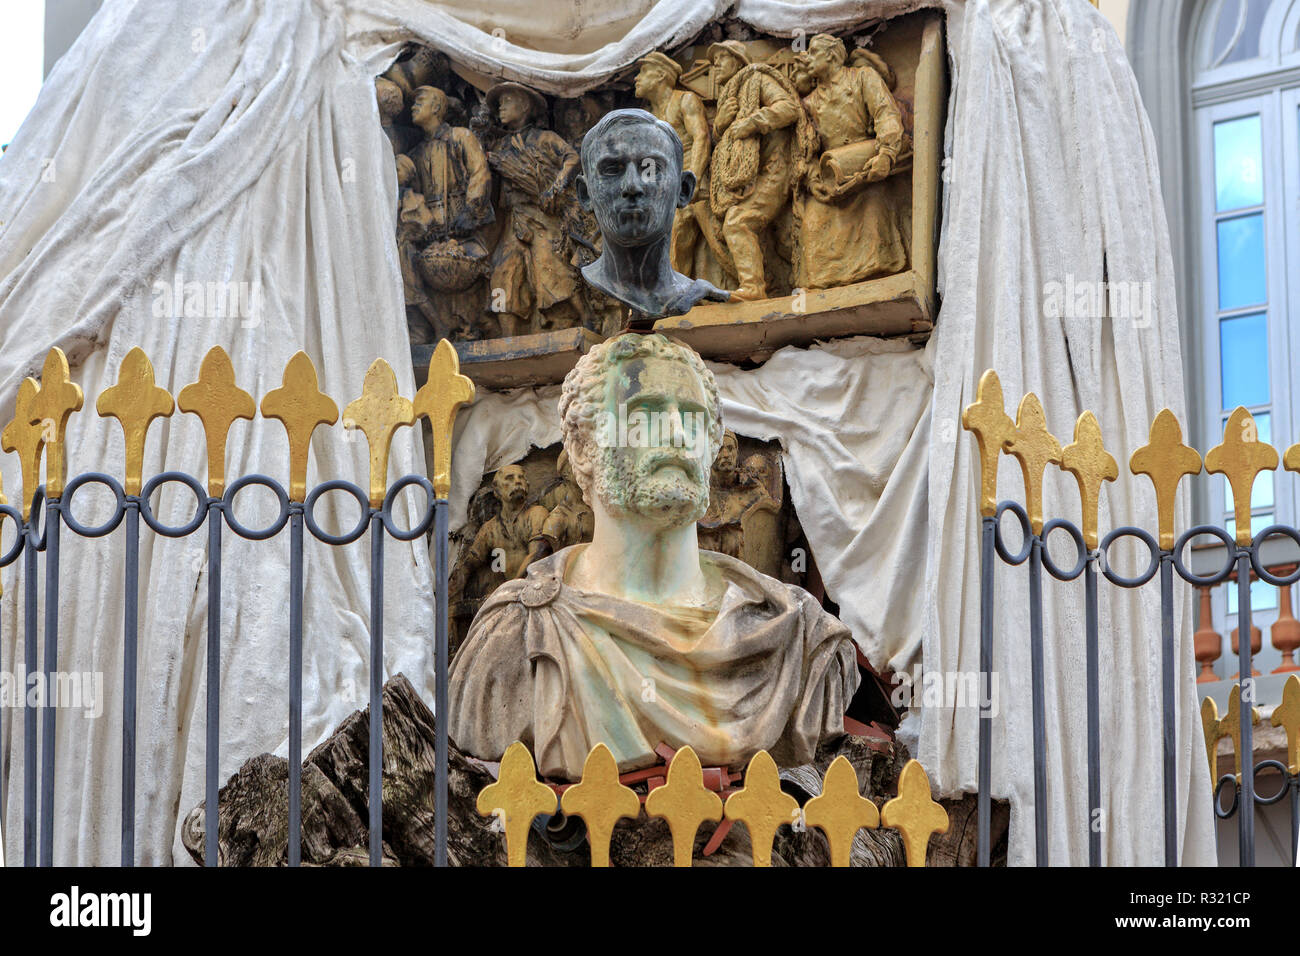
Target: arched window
{"x":1245,"y":104}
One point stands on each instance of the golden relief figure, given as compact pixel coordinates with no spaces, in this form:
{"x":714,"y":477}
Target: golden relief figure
{"x":850,"y":229}
{"x":763,"y":137}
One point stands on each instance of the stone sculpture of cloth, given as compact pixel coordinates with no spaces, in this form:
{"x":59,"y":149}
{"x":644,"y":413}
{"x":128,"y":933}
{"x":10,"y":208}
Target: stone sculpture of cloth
{"x":767,"y":668}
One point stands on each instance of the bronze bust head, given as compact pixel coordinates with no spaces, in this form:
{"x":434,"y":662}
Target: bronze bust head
{"x":634,"y":182}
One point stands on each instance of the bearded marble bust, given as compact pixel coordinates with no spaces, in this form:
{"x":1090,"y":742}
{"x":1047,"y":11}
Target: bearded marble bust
{"x":639,"y":638}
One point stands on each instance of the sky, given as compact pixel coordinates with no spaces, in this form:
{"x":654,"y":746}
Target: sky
{"x":22,"y":55}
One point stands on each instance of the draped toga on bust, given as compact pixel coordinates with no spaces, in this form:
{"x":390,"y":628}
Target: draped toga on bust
{"x":563,"y":669}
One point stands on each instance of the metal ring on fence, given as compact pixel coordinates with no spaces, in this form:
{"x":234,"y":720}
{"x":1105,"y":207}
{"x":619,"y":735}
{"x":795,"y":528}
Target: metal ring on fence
{"x":34,"y":522}
{"x":228,"y":506}
{"x":1236,"y":796}
{"x":1114,"y":577}
{"x":337,"y":484}
{"x":1223,"y":573}
{"x":1077,"y":535}
{"x":1019,"y":512}
{"x":119,"y":510}
{"x":420,"y":526}
{"x":20,"y":540}
{"x":1287,"y":781}
{"x":200,"y":507}
{"x":1255,"y":562}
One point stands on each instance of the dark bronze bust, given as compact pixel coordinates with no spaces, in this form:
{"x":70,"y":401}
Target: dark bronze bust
{"x":633,"y":181}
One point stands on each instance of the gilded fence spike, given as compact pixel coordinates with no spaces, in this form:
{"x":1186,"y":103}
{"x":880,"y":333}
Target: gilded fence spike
{"x":218,"y":402}
{"x":516,"y":797}
{"x":439,"y":400}
{"x":762,"y":806}
{"x":601,"y":801}
{"x":25,"y":437}
{"x":135,"y":401}
{"x":1212,"y":727}
{"x":1165,"y":460}
{"x":1240,"y":458}
{"x":1291,"y":460}
{"x":1287,"y":716}
{"x":378,"y":413}
{"x":685,"y":803}
{"x":300,"y":406}
{"x":1035,"y":448}
{"x":988,"y":421}
{"x":1087,"y":459}
{"x":56,"y":399}
{"x":1231,"y":725}
{"x":840,"y":811}
{"x":913,"y":813}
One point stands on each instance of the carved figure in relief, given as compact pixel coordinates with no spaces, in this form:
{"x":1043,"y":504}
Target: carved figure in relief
{"x":504,"y":538}
{"x":533,"y":269}
{"x":763,"y":137}
{"x":569,"y":518}
{"x":851,"y":228}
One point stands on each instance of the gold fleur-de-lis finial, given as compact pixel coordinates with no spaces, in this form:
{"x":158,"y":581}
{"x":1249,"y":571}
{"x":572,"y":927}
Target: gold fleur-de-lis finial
{"x":762,"y":806}
{"x":1087,"y":459}
{"x":601,"y":801}
{"x":1291,"y":460}
{"x":1213,"y":729}
{"x":684,"y":802}
{"x":439,"y":400}
{"x":913,"y":813}
{"x":218,"y":401}
{"x":1240,"y":458}
{"x":988,"y":421}
{"x":840,"y":811}
{"x":1165,"y":460}
{"x":378,"y":413}
{"x":300,"y":406}
{"x":1287,"y":716}
{"x":1231,"y":726}
{"x":1035,"y":448}
{"x":56,"y":399}
{"x":25,"y":437}
{"x":516,"y":798}
{"x":135,"y":401}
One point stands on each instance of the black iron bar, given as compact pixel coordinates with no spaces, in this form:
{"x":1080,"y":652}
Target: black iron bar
{"x":440,"y":682}
{"x":295,"y":683}
{"x":376,"y":687}
{"x":30,"y":768}
{"x":1096,"y":821}
{"x":984,"y":803}
{"x":1293,"y":785}
{"x":1167,"y":716}
{"x":48,"y":711}
{"x":1039,"y":707}
{"x":1245,"y":759}
{"x":130,"y":635}
{"x":212,"y":749}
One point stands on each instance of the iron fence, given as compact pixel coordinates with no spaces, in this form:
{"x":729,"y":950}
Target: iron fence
{"x":38,"y":431}
{"x":37,"y":434}
{"x":1165,"y":460}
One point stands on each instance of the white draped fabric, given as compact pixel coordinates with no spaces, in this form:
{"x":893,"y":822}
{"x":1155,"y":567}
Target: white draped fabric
{"x":185,"y":141}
